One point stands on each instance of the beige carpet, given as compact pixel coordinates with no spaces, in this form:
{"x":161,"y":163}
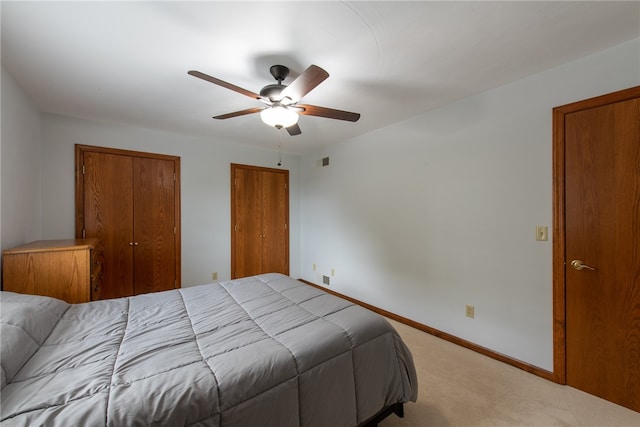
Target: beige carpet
{"x":461,"y":388}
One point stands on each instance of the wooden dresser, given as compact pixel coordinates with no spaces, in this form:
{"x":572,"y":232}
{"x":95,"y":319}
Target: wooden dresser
{"x":70,"y":270}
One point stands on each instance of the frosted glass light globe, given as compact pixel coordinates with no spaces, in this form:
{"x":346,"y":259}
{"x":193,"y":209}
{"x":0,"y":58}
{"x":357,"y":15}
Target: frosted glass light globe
{"x":279,"y":116}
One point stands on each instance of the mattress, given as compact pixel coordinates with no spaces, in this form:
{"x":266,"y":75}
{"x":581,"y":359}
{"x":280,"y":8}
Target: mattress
{"x":259,"y":351}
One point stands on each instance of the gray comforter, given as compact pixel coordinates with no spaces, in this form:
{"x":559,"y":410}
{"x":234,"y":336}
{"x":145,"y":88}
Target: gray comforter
{"x":261,"y":351}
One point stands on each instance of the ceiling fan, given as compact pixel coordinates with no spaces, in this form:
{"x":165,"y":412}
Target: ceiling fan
{"x":281,"y":108}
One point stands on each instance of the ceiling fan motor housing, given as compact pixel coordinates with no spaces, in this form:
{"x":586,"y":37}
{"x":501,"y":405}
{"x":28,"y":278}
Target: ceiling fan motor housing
{"x":272,"y":92}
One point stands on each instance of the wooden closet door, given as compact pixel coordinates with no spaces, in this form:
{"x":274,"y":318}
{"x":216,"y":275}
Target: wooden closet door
{"x":131,"y":201}
{"x":154,"y":250}
{"x":247,"y":232}
{"x":108,"y":215}
{"x":260,"y":217}
{"x":275,"y":247}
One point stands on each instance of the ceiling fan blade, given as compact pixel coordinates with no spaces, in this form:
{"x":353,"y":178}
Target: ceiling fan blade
{"x":222,"y":83}
{"x":294,"y":130}
{"x":329,"y":113}
{"x":304,"y":83}
{"x":239,"y":113}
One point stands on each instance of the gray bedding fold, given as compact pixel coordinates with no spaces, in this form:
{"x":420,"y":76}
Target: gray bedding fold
{"x":260,"y":351}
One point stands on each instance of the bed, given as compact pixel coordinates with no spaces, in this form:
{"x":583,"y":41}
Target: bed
{"x":265,"y":350}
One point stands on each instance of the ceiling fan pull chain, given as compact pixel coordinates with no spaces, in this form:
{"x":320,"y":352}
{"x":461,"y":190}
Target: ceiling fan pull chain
{"x":280,"y":147}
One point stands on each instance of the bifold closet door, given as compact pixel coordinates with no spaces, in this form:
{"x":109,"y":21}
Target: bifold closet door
{"x":108,"y":215}
{"x":247,"y":230}
{"x":260,"y":216}
{"x":275,"y":206}
{"x":153,"y":225}
{"x":131,"y":202}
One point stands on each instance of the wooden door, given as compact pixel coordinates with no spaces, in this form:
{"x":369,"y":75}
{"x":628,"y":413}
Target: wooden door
{"x":275,"y":208}
{"x":247,"y":223}
{"x":260,"y":217}
{"x":131,"y":202}
{"x":601,"y":140}
{"x":107,"y":214}
{"x":154,"y":210}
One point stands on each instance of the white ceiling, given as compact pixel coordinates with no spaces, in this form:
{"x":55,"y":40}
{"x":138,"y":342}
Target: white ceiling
{"x":128,"y":61}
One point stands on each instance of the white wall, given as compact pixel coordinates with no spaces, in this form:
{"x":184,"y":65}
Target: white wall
{"x":205,"y":187}
{"x":428,"y":215}
{"x":21,"y":190}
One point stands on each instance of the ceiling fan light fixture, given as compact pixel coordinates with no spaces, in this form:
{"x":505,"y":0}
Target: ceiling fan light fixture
{"x":281,"y":101}
{"x":279,"y":116}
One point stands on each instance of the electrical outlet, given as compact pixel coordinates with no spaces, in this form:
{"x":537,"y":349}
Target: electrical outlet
{"x":214,"y":275}
{"x":470,"y":311}
{"x":314,"y":267}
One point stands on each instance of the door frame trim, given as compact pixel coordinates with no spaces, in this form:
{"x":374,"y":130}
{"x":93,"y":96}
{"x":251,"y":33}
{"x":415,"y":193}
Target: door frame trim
{"x":559,"y":280}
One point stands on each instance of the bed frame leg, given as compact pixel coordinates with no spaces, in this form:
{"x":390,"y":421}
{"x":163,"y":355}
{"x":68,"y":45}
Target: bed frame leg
{"x":397,"y":409}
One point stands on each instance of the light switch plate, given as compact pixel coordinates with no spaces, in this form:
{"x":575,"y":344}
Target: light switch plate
{"x":542,"y":233}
